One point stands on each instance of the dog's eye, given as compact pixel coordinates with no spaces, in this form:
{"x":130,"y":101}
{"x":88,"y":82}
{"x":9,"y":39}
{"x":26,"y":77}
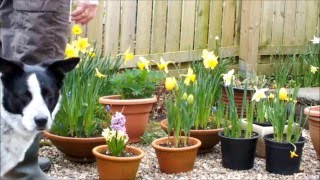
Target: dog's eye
{"x":26,"y":96}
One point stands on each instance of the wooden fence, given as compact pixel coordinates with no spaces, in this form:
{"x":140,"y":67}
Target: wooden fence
{"x":178,"y":30}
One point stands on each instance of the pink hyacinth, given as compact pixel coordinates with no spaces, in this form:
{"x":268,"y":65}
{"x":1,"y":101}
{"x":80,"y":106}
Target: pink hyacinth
{"x":118,"y":122}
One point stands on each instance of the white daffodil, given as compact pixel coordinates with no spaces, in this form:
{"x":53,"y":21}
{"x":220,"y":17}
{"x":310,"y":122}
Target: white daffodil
{"x":227,"y":78}
{"x":259,"y":94}
{"x":315,"y":40}
{"x":313,"y":69}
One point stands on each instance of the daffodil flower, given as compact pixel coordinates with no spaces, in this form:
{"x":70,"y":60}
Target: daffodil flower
{"x":293,"y":154}
{"x":313,"y":69}
{"x":98,"y":74}
{"x":283,"y":95}
{"x":127,"y":55}
{"x":91,"y":53}
{"x":271,"y":96}
{"x":259,"y":94}
{"x":227,"y":78}
{"x":82,"y":44}
{"x":163,"y":65}
{"x":76,"y":29}
{"x":315,"y":40}
{"x":70,"y":51}
{"x":190,"y":99}
{"x":170,"y":83}
{"x":209,"y":59}
{"x":190,"y":76}
{"x":143,"y":63}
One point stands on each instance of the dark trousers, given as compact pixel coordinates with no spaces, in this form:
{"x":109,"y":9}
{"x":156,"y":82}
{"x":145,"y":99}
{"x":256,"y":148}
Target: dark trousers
{"x":32,"y":31}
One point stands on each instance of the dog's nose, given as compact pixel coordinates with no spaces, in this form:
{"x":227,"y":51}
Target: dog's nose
{"x":41,"y":121}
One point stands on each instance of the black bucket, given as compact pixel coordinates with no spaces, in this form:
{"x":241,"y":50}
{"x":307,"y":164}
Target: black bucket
{"x":238,"y":153}
{"x":278,"y":158}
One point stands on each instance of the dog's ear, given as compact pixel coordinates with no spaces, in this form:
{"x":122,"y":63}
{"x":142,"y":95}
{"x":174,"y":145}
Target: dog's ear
{"x":63,"y":66}
{"x":10,"y":67}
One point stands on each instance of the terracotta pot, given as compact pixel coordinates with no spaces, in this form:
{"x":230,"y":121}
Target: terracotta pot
{"x":136,"y":111}
{"x":314,"y":126}
{"x":238,"y":97}
{"x":75,"y":149}
{"x":209,"y":138}
{"x":176,"y":160}
{"x":110,"y":167}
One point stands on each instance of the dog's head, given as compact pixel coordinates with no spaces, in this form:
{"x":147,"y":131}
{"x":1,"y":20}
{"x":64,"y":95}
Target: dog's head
{"x":32,"y":92}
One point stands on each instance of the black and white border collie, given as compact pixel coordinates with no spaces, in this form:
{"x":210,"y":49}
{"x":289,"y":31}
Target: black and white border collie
{"x":29,"y":98}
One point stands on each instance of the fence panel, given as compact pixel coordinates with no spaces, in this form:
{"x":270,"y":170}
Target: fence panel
{"x":187,"y":25}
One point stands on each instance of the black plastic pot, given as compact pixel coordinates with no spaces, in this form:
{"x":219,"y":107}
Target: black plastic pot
{"x":263,"y":124}
{"x":238,"y":153}
{"x":278,"y":158}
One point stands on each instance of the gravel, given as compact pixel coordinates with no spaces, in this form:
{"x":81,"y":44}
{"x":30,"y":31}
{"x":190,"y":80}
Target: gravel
{"x":207,"y":166}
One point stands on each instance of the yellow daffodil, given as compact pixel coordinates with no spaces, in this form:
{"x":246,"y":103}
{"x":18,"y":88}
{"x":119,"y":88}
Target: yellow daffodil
{"x":127,"y":55}
{"x":271,"y":96}
{"x":82,"y":44}
{"x":185,"y":96}
{"x":76,"y":29}
{"x":227,"y":78}
{"x":313,"y":69}
{"x":315,"y":40}
{"x":170,"y":83}
{"x":163,"y":65}
{"x":190,"y":99}
{"x":293,"y":154}
{"x":259,"y":94}
{"x":91,"y":53}
{"x":98,"y":74}
{"x":209,"y":59}
{"x":70,"y":51}
{"x":143,"y":63}
{"x":190,"y":76}
{"x":283,"y":95}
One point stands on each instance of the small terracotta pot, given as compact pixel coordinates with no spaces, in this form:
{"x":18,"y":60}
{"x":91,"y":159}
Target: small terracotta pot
{"x":136,"y":111}
{"x":111,"y":167}
{"x":176,"y":160}
{"x":75,"y":149}
{"x":314,"y":126}
{"x":209,"y":137}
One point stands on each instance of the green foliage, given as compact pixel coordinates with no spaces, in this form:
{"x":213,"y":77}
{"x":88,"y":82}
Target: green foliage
{"x":148,"y":137}
{"x":135,"y":83}
{"x":80,"y":115}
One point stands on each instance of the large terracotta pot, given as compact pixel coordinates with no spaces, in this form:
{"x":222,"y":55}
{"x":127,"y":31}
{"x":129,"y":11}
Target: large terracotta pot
{"x":238,"y":98}
{"x":110,"y":167}
{"x":136,"y":111}
{"x":176,"y":160}
{"x":75,"y":149}
{"x":314,"y":126}
{"x":209,"y":138}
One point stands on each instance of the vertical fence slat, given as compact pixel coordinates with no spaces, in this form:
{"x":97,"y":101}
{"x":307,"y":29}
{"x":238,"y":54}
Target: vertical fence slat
{"x":228,"y":23}
{"x":95,"y":27}
{"x":266,"y":22}
{"x":187,"y":25}
{"x":143,"y":35}
{"x":244,"y":30}
{"x":158,"y":26}
{"x":112,"y":27}
{"x":312,"y":18}
{"x":215,"y":23}
{"x":289,"y":19}
{"x":237,"y":23}
{"x":173,"y":26}
{"x":300,"y":25}
{"x":128,"y":25}
{"x":277,"y":27}
{"x":202,"y":24}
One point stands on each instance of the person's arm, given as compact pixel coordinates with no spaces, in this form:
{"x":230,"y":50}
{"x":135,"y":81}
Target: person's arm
{"x":85,"y":11}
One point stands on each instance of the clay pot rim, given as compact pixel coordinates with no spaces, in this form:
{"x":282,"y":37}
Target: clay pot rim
{"x":96,"y":152}
{"x":114,"y":99}
{"x":193,"y":131}
{"x":73,"y":139}
{"x":155,"y":144}
{"x":312,"y":111}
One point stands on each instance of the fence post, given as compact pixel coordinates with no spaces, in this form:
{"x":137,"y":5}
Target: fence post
{"x":249,"y":36}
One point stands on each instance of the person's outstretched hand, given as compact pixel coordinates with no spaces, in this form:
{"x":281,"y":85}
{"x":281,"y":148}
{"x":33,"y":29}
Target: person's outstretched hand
{"x":84,"y":12}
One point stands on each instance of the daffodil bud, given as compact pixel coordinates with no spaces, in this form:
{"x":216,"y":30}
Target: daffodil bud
{"x":184,"y":96}
{"x":283,"y":95}
{"x":190,"y":99}
{"x":170,"y":83}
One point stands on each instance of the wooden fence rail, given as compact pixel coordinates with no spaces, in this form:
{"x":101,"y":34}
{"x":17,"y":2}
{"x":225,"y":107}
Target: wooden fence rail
{"x":178,"y":30}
